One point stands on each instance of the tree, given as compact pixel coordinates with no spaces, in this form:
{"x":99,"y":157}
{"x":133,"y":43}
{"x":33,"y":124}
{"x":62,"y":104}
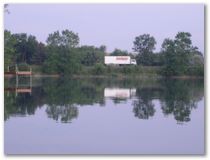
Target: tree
{"x":118,"y":52}
{"x":143,"y":106}
{"x":98,"y":69}
{"x":40,"y":55}
{"x":21,"y":48}
{"x":183,"y":46}
{"x":90,"y":55}
{"x":177,"y":54}
{"x":178,"y":98}
{"x":67,"y":38}
{"x":54,"y":39}
{"x":61,"y":60}
{"x":89,"y":59}
{"x":9,"y":50}
{"x":25,"y":47}
{"x":183,"y":42}
{"x":144,"y":46}
{"x":169,"y":56}
{"x":102,"y":48}
{"x":63,"y":114}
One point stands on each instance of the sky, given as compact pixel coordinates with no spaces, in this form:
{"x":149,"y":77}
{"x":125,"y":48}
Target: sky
{"x":113,"y":25}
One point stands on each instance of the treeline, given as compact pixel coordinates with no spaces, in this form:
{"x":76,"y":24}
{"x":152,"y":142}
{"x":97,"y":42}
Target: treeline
{"x":62,"y":54}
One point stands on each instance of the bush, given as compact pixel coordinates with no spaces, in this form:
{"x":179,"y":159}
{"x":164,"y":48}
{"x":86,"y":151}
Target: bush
{"x":98,"y":69}
{"x":126,"y":70}
{"x":195,"y":71}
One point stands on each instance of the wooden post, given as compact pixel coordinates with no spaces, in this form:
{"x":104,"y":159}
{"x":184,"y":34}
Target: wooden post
{"x":16,"y":75}
{"x":17,"y":81}
{"x":30,"y":81}
{"x":16,"y":69}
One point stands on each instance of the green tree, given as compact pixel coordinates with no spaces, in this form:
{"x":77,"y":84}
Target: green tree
{"x":40,"y":55}
{"x":90,"y":55}
{"x":183,"y":42}
{"x":26,"y":47}
{"x":178,"y":54}
{"x":9,"y":49}
{"x":144,"y":46}
{"x":102,"y":48}
{"x":183,"y":46}
{"x":143,"y":106}
{"x":54,"y":39}
{"x":168,"y":50}
{"x":180,"y":97}
{"x":66,"y":38}
{"x":118,"y":52}
{"x":89,"y":59}
{"x":98,"y":69}
{"x":61,"y":60}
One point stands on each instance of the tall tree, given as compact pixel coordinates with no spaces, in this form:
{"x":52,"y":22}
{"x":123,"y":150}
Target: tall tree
{"x":66,"y":38}
{"x":61,"y":60}
{"x":9,"y":50}
{"x":177,"y":54}
{"x":40,"y":55}
{"x":102,"y":48}
{"x":144,"y":46}
{"x":54,"y":39}
{"x":168,"y":50}
{"x":25,"y":47}
{"x":118,"y":52}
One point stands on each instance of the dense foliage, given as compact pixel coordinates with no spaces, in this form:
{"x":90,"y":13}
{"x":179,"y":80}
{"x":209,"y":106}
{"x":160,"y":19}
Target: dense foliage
{"x":180,"y":56}
{"x":63,"y":55}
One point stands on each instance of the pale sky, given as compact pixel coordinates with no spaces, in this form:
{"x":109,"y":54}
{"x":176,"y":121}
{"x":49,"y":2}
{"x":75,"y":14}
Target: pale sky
{"x":113,"y":25}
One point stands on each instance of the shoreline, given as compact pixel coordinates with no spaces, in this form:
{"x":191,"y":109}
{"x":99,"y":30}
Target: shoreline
{"x":110,"y":76}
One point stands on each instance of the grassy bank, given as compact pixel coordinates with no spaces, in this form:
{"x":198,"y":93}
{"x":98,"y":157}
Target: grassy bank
{"x":120,"y":71}
{"x":102,"y":71}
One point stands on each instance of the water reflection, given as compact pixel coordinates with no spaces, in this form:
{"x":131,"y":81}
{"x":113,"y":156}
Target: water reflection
{"x":62,"y":97}
{"x":180,"y":97}
{"x":121,"y":93}
{"x":62,"y":113}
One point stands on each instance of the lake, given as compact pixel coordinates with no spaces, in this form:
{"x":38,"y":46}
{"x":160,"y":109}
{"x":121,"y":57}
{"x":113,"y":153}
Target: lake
{"x":104,"y":116}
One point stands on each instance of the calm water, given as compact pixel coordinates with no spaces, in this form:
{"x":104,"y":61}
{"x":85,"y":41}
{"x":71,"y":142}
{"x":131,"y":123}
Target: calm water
{"x":104,"y":116}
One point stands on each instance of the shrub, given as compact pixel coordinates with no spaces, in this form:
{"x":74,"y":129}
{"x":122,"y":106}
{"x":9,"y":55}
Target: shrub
{"x":98,"y":69}
{"x":195,"y":70}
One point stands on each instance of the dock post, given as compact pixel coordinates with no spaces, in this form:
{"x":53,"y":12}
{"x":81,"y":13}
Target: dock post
{"x":30,"y":83}
{"x":17,"y":81}
{"x":16,"y":69}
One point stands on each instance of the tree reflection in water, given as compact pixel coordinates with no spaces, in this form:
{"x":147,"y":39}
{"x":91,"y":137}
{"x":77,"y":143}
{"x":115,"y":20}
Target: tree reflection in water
{"x":180,"y":97}
{"x":143,"y":110}
{"x":62,"y":97}
{"x":62,"y":113}
{"x":143,"y":106}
